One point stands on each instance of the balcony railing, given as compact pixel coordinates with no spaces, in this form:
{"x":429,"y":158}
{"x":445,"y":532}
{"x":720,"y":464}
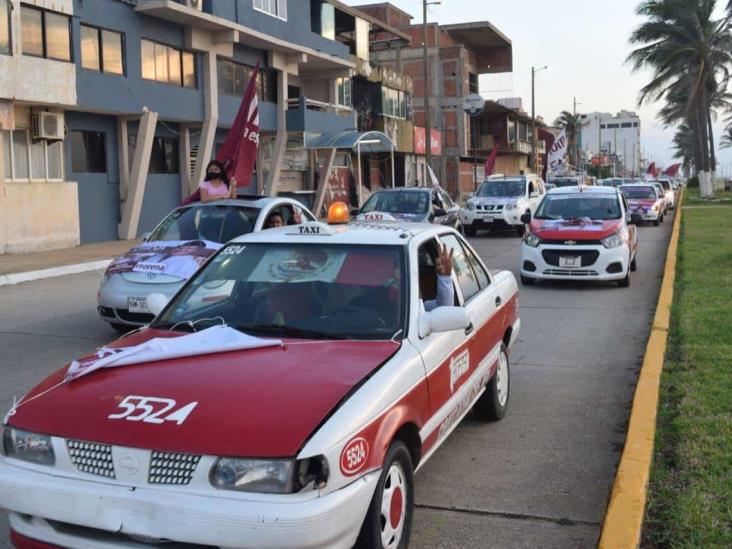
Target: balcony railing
{"x":315,"y":105}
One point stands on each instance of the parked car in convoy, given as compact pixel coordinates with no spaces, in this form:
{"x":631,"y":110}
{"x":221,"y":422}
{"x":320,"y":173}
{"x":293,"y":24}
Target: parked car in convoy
{"x":580,"y":233}
{"x":500,"y":202}
{"x":645,"y":202}
{"x":178,"y":246}
{"x":669,"y":193}
{"x":315,"y":384}
{"x":415,"y":204}
{"x":566,"y":181}
{"x":612,"y":182}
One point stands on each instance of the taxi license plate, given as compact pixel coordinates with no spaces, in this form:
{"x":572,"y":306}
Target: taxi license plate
{"x":570,"y":262}
{"x":137,"y":305}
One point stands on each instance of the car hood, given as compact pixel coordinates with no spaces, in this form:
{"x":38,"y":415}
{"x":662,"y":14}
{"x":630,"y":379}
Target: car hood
{"x":496,"y":200}
{"x":574,"y":229}
{"x":253,"y":403}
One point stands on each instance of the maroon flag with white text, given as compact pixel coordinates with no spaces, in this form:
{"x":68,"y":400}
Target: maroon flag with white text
{"x":239,"y":151}
{"x":673,"y":170}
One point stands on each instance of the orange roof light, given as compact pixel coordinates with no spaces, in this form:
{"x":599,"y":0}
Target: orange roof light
{"x":338,"y":213}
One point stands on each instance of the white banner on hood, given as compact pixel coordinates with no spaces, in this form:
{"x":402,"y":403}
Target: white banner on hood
{"x":217,"y":339}
{"x":557,"y":151}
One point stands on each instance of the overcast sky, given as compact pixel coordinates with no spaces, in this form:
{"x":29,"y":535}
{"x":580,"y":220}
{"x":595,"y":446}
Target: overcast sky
{"x":584,"y":42}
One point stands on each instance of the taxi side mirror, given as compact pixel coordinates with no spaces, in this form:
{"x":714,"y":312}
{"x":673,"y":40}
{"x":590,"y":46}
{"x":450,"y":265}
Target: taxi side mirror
{"x":440,"y":212}
{"x":443,"y":319}
{"x":526,"y":218}
{"x":156,"y":303}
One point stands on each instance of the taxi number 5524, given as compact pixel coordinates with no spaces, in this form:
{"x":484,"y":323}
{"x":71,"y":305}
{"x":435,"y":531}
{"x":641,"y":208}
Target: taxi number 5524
{"x":152,"y":410}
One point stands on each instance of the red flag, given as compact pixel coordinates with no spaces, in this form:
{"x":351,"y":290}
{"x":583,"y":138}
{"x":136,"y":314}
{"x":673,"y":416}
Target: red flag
{"x":490,"y":162}
{"x":673,"y":170}
{"x":239,"y":151}
{"x":652,"y":170}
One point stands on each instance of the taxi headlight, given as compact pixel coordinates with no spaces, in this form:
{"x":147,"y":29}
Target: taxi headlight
{"x":27,"y":446}
{"x":105,"y":280}
{"x":613,"y":241}
{"x":530,"y":239}
{"x":268,"y":476}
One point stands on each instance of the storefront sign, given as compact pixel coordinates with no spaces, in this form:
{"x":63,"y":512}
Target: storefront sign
{"x":420,"y":141}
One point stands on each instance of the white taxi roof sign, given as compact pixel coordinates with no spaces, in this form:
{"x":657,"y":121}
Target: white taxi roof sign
{"x":311,"y":228}
{"x":376,"y":217}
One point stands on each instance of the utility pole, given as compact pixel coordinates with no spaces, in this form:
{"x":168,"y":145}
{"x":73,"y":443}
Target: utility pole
{"x":427,"y":87}
{"x":532,"y":164}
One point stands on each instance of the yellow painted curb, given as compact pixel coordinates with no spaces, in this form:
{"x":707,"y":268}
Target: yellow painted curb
{"x":624,"y":516}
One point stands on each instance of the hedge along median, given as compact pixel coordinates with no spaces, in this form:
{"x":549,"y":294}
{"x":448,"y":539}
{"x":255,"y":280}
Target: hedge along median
{"x":624,"y":516}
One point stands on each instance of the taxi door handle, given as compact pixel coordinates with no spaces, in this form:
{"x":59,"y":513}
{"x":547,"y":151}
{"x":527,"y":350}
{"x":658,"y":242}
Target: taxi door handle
{"x":469,"y":329}
{"x":499,"y":301}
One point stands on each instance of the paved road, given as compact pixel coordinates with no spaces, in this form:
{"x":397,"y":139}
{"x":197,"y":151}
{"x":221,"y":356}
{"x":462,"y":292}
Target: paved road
{"x":540,"y":477}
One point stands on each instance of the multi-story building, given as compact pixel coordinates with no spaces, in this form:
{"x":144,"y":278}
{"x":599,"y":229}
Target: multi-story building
{"x":612,"y":137}
{"x":110,"y":109}
{"x":457,"y":56}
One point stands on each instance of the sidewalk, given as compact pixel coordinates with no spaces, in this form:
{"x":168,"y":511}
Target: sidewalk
{"x":15,"y":268}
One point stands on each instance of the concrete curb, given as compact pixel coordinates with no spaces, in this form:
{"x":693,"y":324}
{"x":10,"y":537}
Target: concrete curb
{"x":624,"y":517}
{"x":17,"y":278}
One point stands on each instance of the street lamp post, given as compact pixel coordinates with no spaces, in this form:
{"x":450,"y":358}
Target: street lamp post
{"x":533,"y":117}
{"x":427,"y":121}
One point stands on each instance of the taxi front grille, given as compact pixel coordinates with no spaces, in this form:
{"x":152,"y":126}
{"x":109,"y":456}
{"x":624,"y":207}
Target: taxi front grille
{"x":588,"y":257}
{"x":91,"y":458}
{"x":172,"y":468}
{"x":570,"y":272}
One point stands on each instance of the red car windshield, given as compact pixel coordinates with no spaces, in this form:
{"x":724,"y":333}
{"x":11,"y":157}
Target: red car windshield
{"x":297,"y":290}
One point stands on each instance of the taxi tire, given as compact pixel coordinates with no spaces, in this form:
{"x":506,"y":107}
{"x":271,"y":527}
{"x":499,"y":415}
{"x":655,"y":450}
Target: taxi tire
{"x":488,"y":406}
{"x":625,"y":282}
{"x":634,"y":264}
{"x":370,"y":535}
{"x":470,"y":231}
{"x":656,"y":222}
{"x":520,"y":231}
{"x":527,"y":280}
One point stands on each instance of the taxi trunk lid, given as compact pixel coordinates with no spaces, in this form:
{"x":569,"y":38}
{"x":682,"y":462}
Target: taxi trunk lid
{"x":253,"y":403}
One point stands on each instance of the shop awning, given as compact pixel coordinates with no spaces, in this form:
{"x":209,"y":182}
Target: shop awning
{"x":365,"y":142}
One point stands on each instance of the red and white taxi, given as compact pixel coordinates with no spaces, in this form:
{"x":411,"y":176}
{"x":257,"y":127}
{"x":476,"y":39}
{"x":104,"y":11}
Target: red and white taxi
{"x":283,"y":398}
{"x":645,"y":202}
{"x":580,"y":233}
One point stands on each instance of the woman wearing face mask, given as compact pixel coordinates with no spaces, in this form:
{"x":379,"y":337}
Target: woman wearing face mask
{"x":216,"y":185}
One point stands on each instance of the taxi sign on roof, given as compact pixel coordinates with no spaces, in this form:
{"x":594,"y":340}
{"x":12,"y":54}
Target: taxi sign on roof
{"x":312,"y":228}
{"x":376,"y":217}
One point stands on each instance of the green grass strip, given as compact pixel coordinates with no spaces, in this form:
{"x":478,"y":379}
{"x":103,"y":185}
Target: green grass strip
{"x":690,"y":494}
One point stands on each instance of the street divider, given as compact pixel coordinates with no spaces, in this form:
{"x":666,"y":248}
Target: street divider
{"x":624,"y":517}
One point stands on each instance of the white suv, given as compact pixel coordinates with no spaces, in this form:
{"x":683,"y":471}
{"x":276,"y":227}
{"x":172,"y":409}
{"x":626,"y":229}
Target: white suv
{"x":500,"y":201}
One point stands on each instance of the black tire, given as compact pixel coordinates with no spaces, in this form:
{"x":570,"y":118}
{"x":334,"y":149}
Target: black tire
{"x":634,"y":264}
{"x":527,"y":281}
{"x":470,"y":231}
{"x":624,"y":283}
{"x":656,"y":222}
{"x":489,"y":406}
{"x":121,"y":328}
{"x":662,"y":218}
{"x":374,"y":525}
{"x":520,"y":231}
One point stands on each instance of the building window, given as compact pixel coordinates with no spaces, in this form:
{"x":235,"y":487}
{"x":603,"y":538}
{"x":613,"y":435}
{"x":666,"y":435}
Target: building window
{"x":473,"y":86}
{"x":45,"y":33}
{"x":4,"y":27}
{"x":88,"y":152}
{"x":167,"y":64}
{"x":234,"y":77}
{"x":26,"y":160}
{"x":393,"y":103}
{"x":635,"y":124}
{"x":626,"y":125}
{"x":102,"y":50}
{"x":164,"y":155}
{"x":602,"y":126}
{"x":276,"y":8}
{"x":613,"y":126}
{"x":343,"y":92}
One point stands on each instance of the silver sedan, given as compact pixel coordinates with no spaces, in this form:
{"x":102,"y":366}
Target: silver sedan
{"x":178,"y":246}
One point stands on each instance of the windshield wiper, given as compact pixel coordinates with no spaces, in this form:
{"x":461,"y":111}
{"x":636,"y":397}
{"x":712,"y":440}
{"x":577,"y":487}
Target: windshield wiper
{"x":288,"y":331}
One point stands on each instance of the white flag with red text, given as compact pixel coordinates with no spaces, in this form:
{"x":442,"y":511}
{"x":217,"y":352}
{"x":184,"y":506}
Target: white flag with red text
{"x":557,"y":152}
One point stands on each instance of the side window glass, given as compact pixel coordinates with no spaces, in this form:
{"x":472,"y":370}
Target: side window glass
{"x":461,"y":265}
{"x":483,"y":278}
{"x":436,"y":201}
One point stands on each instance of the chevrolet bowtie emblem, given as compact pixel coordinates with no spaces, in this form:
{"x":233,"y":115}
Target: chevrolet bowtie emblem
{"x":570,"y":242}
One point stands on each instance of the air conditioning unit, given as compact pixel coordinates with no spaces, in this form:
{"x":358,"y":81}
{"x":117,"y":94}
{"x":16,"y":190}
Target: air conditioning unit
{"x":195,"y":4}
{"x":48,"y":125}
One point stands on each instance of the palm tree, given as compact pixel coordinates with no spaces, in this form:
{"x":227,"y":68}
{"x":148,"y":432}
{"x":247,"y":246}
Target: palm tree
{"x":690,"y":54}
{"x":726,"y":141}
{"x":572,"y":123}
{"x":685,"y":145}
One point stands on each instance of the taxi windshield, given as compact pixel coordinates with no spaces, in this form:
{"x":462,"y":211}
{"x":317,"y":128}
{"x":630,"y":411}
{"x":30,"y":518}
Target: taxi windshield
{"x":639,"y":192}
{"x":406,"y":202}
{"x":213,"y":223}
{"x":577,"y":206}
{"x":311,"y":291}
{"x":502,"y":189}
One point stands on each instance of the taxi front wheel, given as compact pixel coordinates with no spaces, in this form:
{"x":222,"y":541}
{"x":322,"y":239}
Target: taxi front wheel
{"x":388,"y":522}
{"x":493,"y":403}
